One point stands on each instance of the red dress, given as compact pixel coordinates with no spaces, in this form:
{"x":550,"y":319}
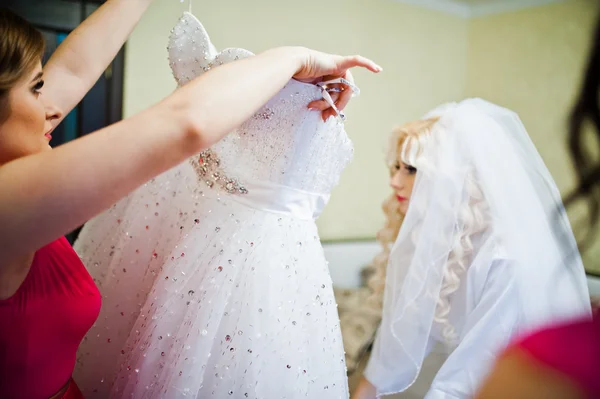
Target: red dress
{"x":43,"y":323}
{"x":572,"y":349}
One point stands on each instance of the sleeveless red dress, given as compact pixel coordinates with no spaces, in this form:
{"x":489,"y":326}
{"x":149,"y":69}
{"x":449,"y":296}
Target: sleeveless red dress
{"x":43,"y":323}
{"x":572,"y":349}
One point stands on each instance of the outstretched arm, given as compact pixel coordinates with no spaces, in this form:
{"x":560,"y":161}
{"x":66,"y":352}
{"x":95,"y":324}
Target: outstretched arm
{"x":46,"y":195}
{"x":86,"y":53}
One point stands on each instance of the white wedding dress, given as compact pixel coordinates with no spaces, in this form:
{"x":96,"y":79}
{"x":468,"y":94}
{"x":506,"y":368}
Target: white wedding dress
{"x":213,"y":277}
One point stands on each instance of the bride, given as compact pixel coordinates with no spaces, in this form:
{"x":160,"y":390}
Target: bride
{"x":213,"y":278}
{"x":484,"y":251}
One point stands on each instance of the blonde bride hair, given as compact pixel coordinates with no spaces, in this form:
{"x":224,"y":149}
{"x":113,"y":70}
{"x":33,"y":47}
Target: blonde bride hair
{"x":406,"y":145}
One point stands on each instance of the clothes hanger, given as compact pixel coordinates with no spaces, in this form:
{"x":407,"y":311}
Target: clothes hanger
{"x":190,"y":9}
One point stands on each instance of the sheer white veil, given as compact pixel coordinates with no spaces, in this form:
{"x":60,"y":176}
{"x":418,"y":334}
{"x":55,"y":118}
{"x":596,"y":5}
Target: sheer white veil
{"x":486,"y":146}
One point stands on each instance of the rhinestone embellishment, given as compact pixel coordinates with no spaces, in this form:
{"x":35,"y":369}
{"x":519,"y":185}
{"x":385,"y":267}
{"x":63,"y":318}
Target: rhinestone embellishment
{"x":207,"y":167}
{"x":267,"y":113}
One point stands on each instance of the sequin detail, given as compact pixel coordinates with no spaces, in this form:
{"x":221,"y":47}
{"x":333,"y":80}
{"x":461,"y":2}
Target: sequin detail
{"x":207,"y":165}
{"x":220,"y":299}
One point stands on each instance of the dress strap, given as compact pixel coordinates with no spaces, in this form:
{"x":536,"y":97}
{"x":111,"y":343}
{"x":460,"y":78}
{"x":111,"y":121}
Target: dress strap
{"x":327,"y":97}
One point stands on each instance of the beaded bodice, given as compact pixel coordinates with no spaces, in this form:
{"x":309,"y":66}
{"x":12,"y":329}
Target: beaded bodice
{"x":284,"y":143}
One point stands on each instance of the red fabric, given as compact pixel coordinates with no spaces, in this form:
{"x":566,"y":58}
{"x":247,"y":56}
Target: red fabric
{"x":572,"y":349}
{"x":72,"y":392}
{"x":43,"y":323}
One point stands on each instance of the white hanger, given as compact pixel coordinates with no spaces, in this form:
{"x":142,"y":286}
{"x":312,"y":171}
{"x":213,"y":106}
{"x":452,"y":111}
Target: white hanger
{"x":190,"y":9}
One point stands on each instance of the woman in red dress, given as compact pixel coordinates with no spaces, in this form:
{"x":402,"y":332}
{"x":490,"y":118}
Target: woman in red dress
{"x":48,"y":301}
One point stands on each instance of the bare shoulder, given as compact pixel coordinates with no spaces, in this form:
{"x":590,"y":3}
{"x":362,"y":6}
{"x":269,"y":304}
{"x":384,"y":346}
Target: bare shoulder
{"x":517,"y":375}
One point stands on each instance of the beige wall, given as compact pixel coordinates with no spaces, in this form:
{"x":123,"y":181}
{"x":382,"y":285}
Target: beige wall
{"x":423,"y":52}
{"x":531,"y":61}
{"x":528,"y":60}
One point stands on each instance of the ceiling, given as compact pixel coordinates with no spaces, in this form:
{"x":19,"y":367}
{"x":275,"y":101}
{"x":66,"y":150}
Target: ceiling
{"x":474,"y":8}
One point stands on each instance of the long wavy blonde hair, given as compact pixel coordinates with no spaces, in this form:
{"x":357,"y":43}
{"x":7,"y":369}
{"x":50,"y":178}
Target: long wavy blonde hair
{"x":406,"y":145}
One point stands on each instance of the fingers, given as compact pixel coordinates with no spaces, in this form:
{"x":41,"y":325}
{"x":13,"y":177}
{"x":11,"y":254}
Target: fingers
{"x":322,"y":105}
{"x":359,"y":61}
{"x":328,"y":113}
{"x":340,"y":98}
{"x":344,"y":92}
{"x":319,"y":105}
{"x":345,"y":95}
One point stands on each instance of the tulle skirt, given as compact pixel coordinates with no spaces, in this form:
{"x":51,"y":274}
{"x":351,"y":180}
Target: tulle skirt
{"x":222,"y":301}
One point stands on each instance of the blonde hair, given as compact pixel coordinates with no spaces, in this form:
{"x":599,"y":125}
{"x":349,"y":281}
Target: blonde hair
{"x":406,"y":146}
